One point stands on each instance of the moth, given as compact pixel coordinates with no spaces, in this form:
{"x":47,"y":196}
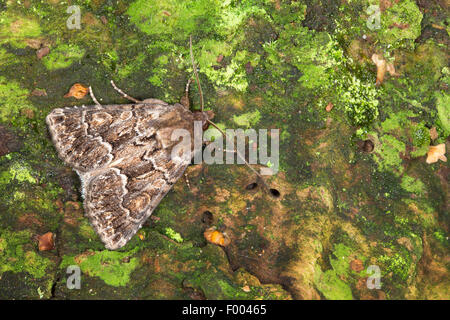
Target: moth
{"x":122,"y":154}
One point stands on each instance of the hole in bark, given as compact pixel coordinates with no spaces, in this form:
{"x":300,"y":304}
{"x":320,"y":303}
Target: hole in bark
{"x":207,"y":218}
{"x":251,"y":186}
{"x":275,"y":193}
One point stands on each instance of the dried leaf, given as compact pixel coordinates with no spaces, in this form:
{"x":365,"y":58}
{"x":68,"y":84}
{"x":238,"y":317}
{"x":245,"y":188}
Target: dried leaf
{"x":42,"y":52}
{"x":391,"y":69}
{"x":381,"y":67}
{"x":77,"y":91}
{"x":356,"y":265}
{"x":246,"y":288}
{"x":329,"y":107}
{"x":216,"y":237}
{"x":436,"y":153}
{"x":46,"y":242}
{"x":433,"y":133}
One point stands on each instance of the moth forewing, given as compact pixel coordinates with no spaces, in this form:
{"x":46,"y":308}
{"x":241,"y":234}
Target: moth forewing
{"x":123,"y":155}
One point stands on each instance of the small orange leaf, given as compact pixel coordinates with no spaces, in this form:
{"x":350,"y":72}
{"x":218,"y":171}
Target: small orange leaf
{"x":356,"y":265}
{"x":329,"y":107}
{"x":433,"y":133}
{"x":77,"y":91}
{"x":381,"y":67}
{"x":46,"y":242}
{"x":216,"y":237}
{"x":246,"y":288}
{"x":436,"y":153}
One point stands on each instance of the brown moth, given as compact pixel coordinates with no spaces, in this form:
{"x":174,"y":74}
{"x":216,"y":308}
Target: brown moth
{"x":122,"y":154}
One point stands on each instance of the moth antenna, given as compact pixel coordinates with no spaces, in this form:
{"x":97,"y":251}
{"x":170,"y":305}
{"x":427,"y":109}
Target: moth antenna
{"x":93,"y":97}
{"x":185,"y":100}
{"x":240,"y":156}
{"x":123,"y":94}
{"x":195,"y":73}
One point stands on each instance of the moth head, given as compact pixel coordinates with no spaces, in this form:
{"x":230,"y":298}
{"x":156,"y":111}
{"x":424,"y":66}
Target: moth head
{"x":204,"y":116}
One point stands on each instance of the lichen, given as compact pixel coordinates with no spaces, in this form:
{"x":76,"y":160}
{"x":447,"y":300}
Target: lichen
{"x":413,"y":185}
{"x":17,"y":254}
{"x":329,"y":284}
{"x":113,"y":267}
{"x":443,"y":110}
{"x":388,"y":155}
{"x":13,"y":98}
{"x":63,"y":56}
{"x":400,"y":22}
{"x":248,"y":119}
{"x":17,"y":171}
{"x":16,"y":29}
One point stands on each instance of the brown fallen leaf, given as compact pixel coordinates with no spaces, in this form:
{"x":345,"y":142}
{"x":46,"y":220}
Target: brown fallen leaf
{"x":381,"y":67}
{"x":246,"y":288}
{"x":216,"y":237}
{"x":77,"y":91}
{"x":391,"y":69}
{"x":433,"y":133}
{"x":436,"y":26}
{"x":329,"y":107}
{"x":46,"y":242}
{"x":42,"y":52}
{"x":356,"y":265}
{"x":436,"y":153}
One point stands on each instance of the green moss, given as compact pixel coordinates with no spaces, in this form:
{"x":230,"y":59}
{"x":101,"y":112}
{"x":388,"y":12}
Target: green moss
{"x":17,"y":171}
{"x":16,"y":29}
{"x":443,"y":109}
{"x":248,"y":119}
{"x":398,"y":264}
{"x":397,"y":121}
{"x":172,"y":234}
{"x":329,"y":284}
{"x":400,"y":14}
{"x":413,"y":185}
{"x":341,"y":263}
{"x":387,"y":156}
{"x":159,"y":73}
{"x":17,"y":255}
{"x":5,"y":57}
{"x":177,"y":19}
{"x":234,"y":74}
{"x":113,"y":267}
{"x":359,"y":99}
{"x":420,"y":140}
{"x":13,"y":98}
{"x":63,"y":56}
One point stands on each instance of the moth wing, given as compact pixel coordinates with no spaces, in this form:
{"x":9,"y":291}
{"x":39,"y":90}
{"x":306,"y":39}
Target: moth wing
{"x":117,"y":205}
{"x":86,"y":136}
{"x":124,"y":161}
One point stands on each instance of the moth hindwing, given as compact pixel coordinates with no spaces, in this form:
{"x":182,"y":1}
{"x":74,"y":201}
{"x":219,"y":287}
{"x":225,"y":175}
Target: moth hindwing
{"x":122,"y":154}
